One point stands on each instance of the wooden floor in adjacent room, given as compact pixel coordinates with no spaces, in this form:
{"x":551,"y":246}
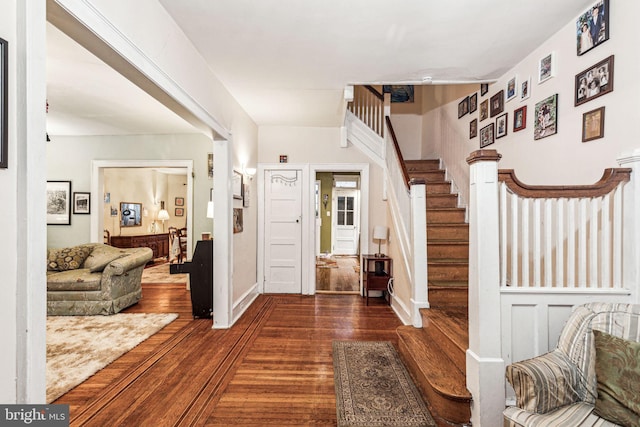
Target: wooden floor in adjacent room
{"x":272,"y":368}
{"x":338,"y":274}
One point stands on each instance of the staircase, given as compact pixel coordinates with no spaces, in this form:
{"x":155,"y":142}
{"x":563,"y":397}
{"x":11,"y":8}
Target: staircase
{"x":436,"y":353}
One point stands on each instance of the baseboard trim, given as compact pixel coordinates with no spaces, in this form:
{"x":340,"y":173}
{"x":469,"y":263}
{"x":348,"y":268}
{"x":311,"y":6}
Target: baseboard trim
{"x":240,"y":306}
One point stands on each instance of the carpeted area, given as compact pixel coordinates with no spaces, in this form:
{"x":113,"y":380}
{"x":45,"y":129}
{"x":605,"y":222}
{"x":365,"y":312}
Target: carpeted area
{"x":160,"y":274}
{"x":373,"y":388}
{"x":79,"y":346}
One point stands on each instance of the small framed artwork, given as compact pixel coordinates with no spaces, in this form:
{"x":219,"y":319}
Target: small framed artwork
{"x":525,"y":89}
{"x":484,"y":88}
{"x":179,"y":212}
{"x":210,"y":165}
{"x":58,"y":202}
{"x":113,"y":210}
{"x":473,"y":103}
{"x":487,"y":135}
{"x":546,"y":117}
{"x":237,"y":220}
{"x":497,"y":104}
{"x":237,"y":185}
{"x":284,"y":158}
{"x":81,"y":203}
{"x":546,"y":67}
{"x":484,"y":109}
{"x":595,"y":81}
{"x":107,"y":198}
{"x":512,"y":88}
{"x":593,"y":124}
{"x":501,"y":125}
{"x":4,"y":104}
{"x":592,"y":27}
{"x":463,"y":107}
{"x":179,"y":201}
{"x":520,"y":119}
{"x":399,"y":93}
{"x":473,"y":128}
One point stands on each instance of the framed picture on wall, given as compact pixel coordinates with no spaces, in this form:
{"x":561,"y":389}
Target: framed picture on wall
{"x":512,"y":88}
{"x":210,"y":165}
{"x":593,"y":124}
{"x":487,"y":135}
{"x":525,"y":89}
{"x":592,"y":27}
{"x":58,"y":202}
{"x":179,"y":201}
{"x":179,"y":212}
{"x":238,"y":224}
{"x":484,"y":109}
{"x":484,"y":88}
{"x":473,"y":128}
{"x":546,"y":117}
{"x":81,"y":203}
{"x":473,"y":103}
{"x":463,"y":107}
{"x":501,"y":125}
{"x":497,"y":104}
{"x":546,"y":67}
{"x":520,"y":119}
{"x":595,"y":81}
{"x":237,"y":185}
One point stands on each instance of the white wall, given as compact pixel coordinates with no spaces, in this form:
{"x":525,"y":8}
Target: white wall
{"x":562,"y":158}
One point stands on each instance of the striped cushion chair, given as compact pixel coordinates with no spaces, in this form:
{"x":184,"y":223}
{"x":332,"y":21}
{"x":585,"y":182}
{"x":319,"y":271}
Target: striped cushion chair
{"x":559,"y":388}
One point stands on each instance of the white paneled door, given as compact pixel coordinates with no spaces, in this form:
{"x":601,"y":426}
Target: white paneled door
{"x":283,"y":231}
{"x":346,"y":222}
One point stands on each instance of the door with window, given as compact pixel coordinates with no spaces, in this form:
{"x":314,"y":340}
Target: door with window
{"x":283,"y":231}
{"x":346,"y":221}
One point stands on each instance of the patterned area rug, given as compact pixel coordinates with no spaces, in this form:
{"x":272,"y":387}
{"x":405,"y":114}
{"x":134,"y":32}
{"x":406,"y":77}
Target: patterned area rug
{"x":373,"y":388}
{"x":79,"y":346}
{"x":160,"y":274}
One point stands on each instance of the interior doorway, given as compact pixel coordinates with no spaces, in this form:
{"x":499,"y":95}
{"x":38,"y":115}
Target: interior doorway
{"x":338,"y":232}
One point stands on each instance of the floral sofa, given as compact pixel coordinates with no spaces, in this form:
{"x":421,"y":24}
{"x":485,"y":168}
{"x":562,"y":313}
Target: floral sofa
{"x":94,"y":279}
{"x":592,"y":378}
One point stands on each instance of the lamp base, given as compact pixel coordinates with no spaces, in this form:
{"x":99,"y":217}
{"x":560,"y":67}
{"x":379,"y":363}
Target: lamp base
{"x":379,"y":255}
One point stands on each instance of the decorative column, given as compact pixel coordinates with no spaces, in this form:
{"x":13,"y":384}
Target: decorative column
{"x":485,"y":366}
{"x":631,"y":225}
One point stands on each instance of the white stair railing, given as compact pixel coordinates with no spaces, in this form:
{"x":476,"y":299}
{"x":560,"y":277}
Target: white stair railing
{"x":368,"y":106}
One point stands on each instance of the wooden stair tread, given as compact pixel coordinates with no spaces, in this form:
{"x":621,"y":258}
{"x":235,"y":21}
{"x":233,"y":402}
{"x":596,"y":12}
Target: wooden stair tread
{"x":457,"y":261}
{"x":443,"y":375}
{"x":452,"y":321}
{"x":434,"y":284}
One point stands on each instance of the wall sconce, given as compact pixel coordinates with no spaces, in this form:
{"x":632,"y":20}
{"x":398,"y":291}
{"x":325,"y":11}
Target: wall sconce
{"x":250,"y":173}
{"x":325,"y":200}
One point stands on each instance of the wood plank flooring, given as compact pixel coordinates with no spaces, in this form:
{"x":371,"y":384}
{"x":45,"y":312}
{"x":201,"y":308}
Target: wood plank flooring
{"x":344,"y":277}
{"x":273,"y":367}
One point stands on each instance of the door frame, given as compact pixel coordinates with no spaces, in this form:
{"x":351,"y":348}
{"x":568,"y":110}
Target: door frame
{"x":309,"y":214}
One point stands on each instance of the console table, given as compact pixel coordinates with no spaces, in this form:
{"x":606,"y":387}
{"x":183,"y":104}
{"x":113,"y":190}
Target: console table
{"x":158,"y":243}
{"x":376,"y":272}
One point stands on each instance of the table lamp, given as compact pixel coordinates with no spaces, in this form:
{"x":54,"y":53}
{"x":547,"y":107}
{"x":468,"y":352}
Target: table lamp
{"x":380,"y":233}
{"x":163,"y":215}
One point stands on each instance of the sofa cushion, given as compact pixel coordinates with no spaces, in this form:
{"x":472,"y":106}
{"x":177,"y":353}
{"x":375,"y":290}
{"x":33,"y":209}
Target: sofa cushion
{"x":618,"y":374}
{"x":67,"y":258}
{"x":74,"y":280}
{"x":101,"y":256}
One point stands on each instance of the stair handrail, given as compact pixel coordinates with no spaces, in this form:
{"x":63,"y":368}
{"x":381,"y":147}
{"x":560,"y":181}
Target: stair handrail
{"x":405,"y":173}
{"x":368,"y":106}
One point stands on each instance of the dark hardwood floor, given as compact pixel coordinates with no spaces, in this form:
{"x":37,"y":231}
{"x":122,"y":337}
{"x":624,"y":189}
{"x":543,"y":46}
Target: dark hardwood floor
{"x":273,"y":367}
{"x":340,"y":275}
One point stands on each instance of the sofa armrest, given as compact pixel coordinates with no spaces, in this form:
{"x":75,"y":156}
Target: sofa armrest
{"x":546,"y":382}
{"x":135,"y":258}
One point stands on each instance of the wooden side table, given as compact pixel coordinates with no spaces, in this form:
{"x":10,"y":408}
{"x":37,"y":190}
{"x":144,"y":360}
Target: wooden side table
{"x":376,"y":273}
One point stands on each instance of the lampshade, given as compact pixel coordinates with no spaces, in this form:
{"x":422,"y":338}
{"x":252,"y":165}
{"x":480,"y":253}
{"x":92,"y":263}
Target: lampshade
{"x":380,"y":232}
{"x":210,"y":209}
{"x":163,"y":215}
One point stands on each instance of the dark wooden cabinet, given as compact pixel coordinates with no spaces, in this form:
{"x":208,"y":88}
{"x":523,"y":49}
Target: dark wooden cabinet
{"x":376,"y":273}
{"x":158,"y":243}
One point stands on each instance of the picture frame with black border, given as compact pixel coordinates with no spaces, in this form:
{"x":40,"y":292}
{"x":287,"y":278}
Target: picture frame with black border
{"x":496,"y":106}
{"x":179,"y":201}
{"x":593,"y":125}
{"x":179,"y":212}
{"x":473,"y":103}
{"x":520,"y":118}
{"x":81,"y":203}
{"x":463,"y":107}
{"x":237,"y":185}
{"x":484,"y":88}
{"x":487,"y":135}
{"x":525,"y":88}
{"x":58,"y":202}
{"x":501,"y":125}
{"x":594,"y":82}
{"x":546,"y":67}
{"x":473,"y":128}
{"x":592,"y":27}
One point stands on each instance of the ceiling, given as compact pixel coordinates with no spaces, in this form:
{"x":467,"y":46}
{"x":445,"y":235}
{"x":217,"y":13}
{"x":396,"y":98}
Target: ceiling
{"x":287,"y":61}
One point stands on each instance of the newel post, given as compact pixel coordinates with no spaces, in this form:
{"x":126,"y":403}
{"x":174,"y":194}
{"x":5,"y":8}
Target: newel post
{"x":631,"y":224}
{"x":485,"y":366}
{"x":419,"y":295}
